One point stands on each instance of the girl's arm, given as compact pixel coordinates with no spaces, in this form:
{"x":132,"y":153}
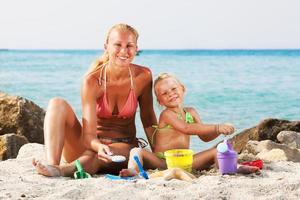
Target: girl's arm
{"x":206,"y":137}
{"x":147,"y":114}
{"x":206,"y":132}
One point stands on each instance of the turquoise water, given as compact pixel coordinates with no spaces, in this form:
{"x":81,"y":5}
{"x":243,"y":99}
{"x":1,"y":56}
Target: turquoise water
{"x":238,"y":86}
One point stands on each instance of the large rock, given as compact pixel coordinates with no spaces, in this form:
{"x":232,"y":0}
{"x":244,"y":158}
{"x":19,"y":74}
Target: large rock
{"x":290,"y":138}
{"x":10,"y":145}
{"x":21,"y":116}
{"x":272,"y":151}
{"x":268,"y":129}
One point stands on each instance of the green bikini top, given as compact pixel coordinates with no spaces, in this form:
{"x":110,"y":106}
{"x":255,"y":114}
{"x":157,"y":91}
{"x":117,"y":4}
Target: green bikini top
{"x":188,"y":119}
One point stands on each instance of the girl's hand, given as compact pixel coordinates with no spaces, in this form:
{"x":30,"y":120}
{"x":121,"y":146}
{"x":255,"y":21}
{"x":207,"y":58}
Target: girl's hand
{"x":104,"y":153}
{"x":226,"y":129}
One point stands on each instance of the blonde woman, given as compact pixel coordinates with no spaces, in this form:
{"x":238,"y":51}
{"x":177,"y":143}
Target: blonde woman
{"x":111,"y":92}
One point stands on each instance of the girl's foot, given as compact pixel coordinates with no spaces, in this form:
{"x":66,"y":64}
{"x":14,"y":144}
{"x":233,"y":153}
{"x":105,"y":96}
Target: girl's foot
{"x":46,"y":170}
{"x":245,"y":169}
{"x":128,"y":172}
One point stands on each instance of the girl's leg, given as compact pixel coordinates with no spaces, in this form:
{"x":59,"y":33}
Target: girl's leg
{"x":204,"y":159}
{"x":148,"y":159}
{"x":62,"y":132}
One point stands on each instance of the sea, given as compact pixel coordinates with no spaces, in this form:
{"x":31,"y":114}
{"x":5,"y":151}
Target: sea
{"x":241,"y":87}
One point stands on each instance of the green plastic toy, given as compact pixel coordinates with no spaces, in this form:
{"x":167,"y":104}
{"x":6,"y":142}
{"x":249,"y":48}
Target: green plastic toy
{"x":80,"y":173}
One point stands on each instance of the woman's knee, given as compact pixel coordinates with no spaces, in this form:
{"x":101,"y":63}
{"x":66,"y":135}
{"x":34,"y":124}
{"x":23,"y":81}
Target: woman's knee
{"x":57,"y":102}
{"x":60,"y":107}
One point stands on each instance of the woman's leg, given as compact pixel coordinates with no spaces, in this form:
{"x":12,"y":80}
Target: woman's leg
{"x":62,"y":133}
{"x":88,"y":160}
{"x":204,"y":159}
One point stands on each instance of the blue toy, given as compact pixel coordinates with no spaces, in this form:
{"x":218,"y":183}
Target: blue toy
{"x":142,"y":171}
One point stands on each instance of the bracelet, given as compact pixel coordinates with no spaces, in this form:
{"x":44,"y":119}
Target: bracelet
{"x":217,"y":129}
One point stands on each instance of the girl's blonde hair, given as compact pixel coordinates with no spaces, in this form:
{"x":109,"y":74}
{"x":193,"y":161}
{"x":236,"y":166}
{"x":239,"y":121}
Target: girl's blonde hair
{"x":163,"y":76}
{"x":104,"y":58}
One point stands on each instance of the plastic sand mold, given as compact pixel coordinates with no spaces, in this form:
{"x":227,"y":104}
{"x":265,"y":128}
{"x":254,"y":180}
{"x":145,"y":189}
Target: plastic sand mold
{"x":254,"y":163}
{"x":115,"y":177}
{"x":118,"y":158}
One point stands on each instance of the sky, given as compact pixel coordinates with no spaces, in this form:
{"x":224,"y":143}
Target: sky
{"x":162,"y":24}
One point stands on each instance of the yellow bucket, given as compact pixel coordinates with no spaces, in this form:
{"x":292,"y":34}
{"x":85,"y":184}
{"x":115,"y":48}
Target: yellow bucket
{"x":181,"y":158}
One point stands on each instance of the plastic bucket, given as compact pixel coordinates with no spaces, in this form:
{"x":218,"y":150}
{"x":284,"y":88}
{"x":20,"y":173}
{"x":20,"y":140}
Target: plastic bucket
{"x":179,"y":158}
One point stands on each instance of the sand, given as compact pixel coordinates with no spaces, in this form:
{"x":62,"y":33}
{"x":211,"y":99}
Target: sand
{"x":19,"y":180}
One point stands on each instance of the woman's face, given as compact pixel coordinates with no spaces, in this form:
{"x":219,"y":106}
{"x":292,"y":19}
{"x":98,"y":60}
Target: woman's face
{"x":121,"y":47}
{"x":169,"y":93}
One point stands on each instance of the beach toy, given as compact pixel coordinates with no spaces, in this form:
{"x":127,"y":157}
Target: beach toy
{"x":179,"y":158}
{"x":254,"y":163}
{"x":142,"y":171}
{"x":227,"y":158}
{"x":118,"y":158}
{"x":80,"y":173}
{"x":115,"y":177}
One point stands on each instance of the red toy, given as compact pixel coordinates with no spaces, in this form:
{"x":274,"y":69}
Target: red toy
{"x":255,"y":163}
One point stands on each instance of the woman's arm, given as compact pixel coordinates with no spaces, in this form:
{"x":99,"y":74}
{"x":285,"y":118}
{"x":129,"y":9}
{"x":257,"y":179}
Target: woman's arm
{"x":89,"y":119}
{"x":89,"y":91}
{"x":147,"y":114}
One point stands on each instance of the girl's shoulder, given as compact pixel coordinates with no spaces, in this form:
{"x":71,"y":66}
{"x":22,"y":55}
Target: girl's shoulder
{"x":189,"y":109}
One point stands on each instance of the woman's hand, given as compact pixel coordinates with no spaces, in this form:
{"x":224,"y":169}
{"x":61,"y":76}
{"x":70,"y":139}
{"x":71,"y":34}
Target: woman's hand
{"x":226,"y":129}
{"x":104,"y":153}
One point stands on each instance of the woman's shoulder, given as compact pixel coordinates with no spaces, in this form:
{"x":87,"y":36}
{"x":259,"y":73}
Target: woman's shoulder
{"x":90,"y":82}
{"x":139,"y":69}
{"x":90,"y":78}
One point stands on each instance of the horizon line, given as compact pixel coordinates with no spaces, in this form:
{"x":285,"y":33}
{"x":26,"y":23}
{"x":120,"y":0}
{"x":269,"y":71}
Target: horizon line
{"x":150,"y":49}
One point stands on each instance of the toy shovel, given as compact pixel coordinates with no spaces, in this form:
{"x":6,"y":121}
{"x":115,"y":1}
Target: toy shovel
{"x":80,"y":173}
{"x":142,"y":171}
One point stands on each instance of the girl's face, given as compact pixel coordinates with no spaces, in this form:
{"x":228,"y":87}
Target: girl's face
{"x":121,"y":47}
{"x":169,"y":93}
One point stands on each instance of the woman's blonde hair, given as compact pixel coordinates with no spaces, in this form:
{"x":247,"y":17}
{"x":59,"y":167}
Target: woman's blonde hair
{"x":103,"y":59}
{"x":163,"y":76}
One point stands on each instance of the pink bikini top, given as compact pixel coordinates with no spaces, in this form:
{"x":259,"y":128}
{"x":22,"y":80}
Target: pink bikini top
{"x":129,"y":109}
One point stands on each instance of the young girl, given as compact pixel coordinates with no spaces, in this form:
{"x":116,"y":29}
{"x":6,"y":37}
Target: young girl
{"x":176,"y":124}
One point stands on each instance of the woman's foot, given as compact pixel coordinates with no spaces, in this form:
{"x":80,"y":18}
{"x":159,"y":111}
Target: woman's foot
{"x":245,"y":169}
{"x":46,"y":170}
{"x":128,"y":172}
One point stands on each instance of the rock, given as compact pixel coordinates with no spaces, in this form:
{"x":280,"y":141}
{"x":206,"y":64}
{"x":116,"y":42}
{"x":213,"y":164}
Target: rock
{"x":32,"y":150}
{"x":21,"y":116}
{"x":269,"y":150}
{"x":245,"y":156}
{"x":290,"y":138}
{"x":10,"y":145}
{"x":274,"y":155}
{"x":266,"y":130}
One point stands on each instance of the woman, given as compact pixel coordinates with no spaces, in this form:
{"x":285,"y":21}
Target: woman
{"x":110,"y":93}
